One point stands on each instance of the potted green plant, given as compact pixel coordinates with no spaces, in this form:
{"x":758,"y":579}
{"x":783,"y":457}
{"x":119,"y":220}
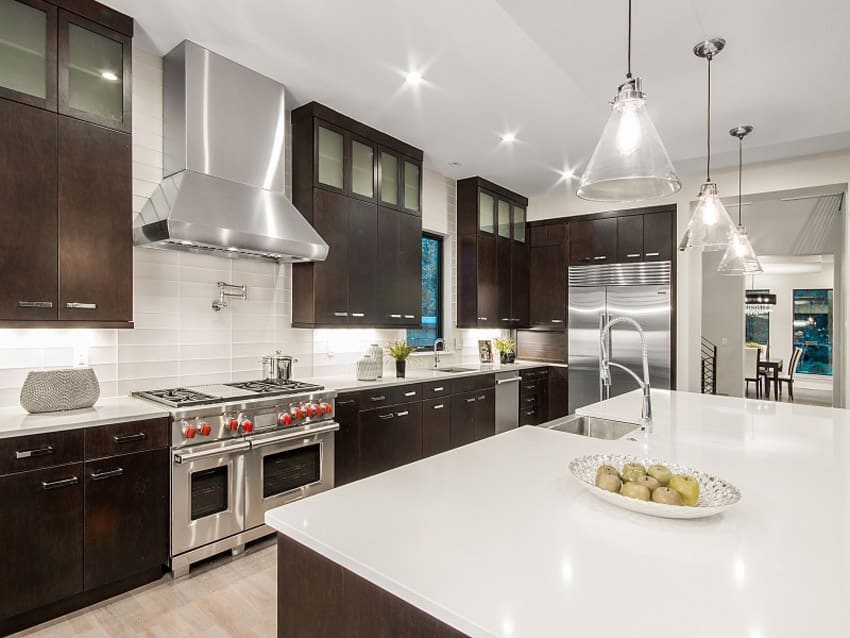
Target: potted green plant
{"x":399,"y":350}
{"x":506,"y":348}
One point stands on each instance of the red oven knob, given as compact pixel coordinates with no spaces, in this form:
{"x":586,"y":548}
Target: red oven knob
{"x":190,"y":431}
{"x":286,"y":419}
{"x":299,"y":413}
{"x":320,"y":409}
{"x":311,"y":410}
{"x":205,"y":429}
{"x":247,"y":426}
{"x":328,"y":408}
{"x":233,"y":425}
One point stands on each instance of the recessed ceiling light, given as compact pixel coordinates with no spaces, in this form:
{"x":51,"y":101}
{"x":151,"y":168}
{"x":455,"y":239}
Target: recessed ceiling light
{"x":413,"y":78}
{"x":455,"y":164}
{"x":109,"y":75}
{"x":508,"y":137}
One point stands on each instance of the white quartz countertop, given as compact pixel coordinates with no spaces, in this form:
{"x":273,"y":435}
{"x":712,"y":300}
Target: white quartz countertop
{"x":496,"y":538}
{"x":15,"y":421}
{"x":348,"y":383}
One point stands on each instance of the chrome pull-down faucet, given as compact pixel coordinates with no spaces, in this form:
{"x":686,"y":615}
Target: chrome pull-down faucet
{"x":605,"y":364}
{"x":436,"y":352}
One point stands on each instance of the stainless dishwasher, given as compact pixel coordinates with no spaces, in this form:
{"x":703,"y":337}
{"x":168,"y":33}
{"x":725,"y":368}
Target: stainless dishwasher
{"x":507,"y":400}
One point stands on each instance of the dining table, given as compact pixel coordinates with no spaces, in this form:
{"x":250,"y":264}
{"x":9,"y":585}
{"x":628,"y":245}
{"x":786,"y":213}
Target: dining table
{"x":771,"y":369}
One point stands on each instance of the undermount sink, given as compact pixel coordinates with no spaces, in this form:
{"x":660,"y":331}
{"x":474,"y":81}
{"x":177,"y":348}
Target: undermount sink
{"x":592,"y":426}
{"x":451,"y":370}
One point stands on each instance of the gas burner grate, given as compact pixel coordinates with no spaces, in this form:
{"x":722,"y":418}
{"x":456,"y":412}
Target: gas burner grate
{"x":271,"y":387}
{"x":177,"y":396}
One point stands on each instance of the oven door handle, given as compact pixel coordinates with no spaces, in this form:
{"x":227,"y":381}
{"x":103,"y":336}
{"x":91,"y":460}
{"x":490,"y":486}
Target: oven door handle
{"x":291,"y":436}
{"x":184,"y":457}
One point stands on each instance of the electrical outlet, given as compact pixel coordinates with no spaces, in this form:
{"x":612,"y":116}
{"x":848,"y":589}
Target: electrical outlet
{"x":724,"y":341}
{"x":458,"y":343}
{"x":81,"y":355}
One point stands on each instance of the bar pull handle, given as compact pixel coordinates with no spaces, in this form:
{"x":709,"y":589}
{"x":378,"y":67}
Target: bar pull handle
{"x":652,"y":254}
{"x":340,"y":314}
{"x":129,"y":438}
{"x":506,"y":319}
{"x":401,"y":414}
{"x":482,"y":397}
{"x":412,"y":393}
{"x":557,"y":321}
{"x":410,"y":316}
{"x":348,"y":402}
{"x":55,"y":485}
{"x":482,"y":319}
{"x":508,"y":380}
{"x":380,"y":397}
{"x":439,"y":406}
{"x":102,"y":476}
{"x":27,"y":454}
{"x":395,"y":316}
{"x":633,"y":255}
{"x":472,"y":400}
{"x":600,"y":258}
{"x":78,"y":305}
{"x":438,"y":389}
{"x":358,"y":315}
{"x":386,"y":417}
{"x":35,"y":304}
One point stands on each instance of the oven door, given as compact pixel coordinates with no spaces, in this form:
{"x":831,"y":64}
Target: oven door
{"x":207,"y":494}
{"x":287,"y":467}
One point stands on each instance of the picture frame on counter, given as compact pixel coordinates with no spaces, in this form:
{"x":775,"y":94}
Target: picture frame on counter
{"x":485,"y":351}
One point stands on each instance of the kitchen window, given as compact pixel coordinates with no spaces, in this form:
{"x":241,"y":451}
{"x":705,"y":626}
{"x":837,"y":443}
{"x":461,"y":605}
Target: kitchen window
{"x":432,"y":295}
{"x":813,"y":330}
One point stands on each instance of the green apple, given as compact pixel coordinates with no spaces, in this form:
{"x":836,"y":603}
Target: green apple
{"x":633,"y":470}
{"x":609,"y":482}
{"x":660,"y":473}
{"x":607,"y":469}
{"x":650,"y":483}
{"x":687,"y":487}
{"x":667,"y":496}
{"x":635,"y":490}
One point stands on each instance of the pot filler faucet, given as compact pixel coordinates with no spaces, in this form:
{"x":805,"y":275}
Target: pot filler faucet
{"x":605,"y":367}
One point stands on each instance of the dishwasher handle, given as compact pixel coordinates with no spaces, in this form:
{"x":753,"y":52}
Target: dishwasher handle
{"x":516,"y":379}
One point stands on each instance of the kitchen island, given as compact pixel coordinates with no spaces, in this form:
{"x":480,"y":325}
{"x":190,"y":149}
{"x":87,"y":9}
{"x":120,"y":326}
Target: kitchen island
{"x":496,"y":539}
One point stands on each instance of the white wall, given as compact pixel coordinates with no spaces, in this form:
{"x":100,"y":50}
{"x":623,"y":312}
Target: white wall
{"x":178,"y":339}
{"x":723,"y":323}
{"x":801,"y":172}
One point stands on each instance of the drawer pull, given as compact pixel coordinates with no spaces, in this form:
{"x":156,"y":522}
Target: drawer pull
{"x":340,"y":314}
{"x":439,"y":406}
{"x":79,"y":305}
{"x":600,"y":258}
{"x":482,"y":318}
{"x":438,"y":389}
{"x":482,"y":397}
{"x":506,"y":319}
{"x":28,"y":454}
{"x":348,"y":402}
{"x":380,"y":397}
{"x":129,"y":438}
{"x":395,"y":316}
{"x":401,"y":414}
{"x":410,"y":316}
{"x":529,"y":386}
{"x":529,"y":413}
{"x":557,"y":321}
{"x":35,"y":304}
{"x":358,"y":315}
{"x":633,"y":255}
{"x":55,"y":485}
{"x":472,"y":400}
{"x":101,"y":476}
{"x":386,"y":417}
{"x":412,"y":393}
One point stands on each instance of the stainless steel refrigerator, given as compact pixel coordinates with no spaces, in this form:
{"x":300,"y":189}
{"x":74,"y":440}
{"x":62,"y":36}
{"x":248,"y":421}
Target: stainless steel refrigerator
{"x":601,"y":292}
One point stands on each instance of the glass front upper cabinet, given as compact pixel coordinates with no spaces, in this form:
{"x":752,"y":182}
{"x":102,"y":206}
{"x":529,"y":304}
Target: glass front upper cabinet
{"x":389,"y":178}
{"x":331,"y":158}
{"x":411,"y":186}
{"x":519,"y":223}
{"x":362,"y":169}
{"x":94,"y":66}
{"x":27,"y":52}
{"x":486,"y":212}
{"x":504,"y":218}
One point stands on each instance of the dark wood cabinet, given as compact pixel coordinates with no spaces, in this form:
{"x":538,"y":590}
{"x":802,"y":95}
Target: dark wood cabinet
{"x":557,"y":391}
{"x":492,"y":256}
{"x":593,"y":241}
{"x":347,"y":440}
{"x":126,"y":516}
{"x":485,"y":414}
{"x":658,"y":236}
{"x":28,"y":219}
{"x":462,"y":419}
{"x":30,"y":60}
{"x":534,"y":396}
{"x":390,"y":437}
{"x":436,"y":426}
{"x":361,"y":190}
{"x":548,"y":260}
{"x":42,"y":538}
{"x":95,"y":250}
{"x":630,"y":238}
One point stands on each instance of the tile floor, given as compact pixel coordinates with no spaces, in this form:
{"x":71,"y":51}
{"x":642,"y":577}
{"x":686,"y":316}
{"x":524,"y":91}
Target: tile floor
{"x":221,"y":598}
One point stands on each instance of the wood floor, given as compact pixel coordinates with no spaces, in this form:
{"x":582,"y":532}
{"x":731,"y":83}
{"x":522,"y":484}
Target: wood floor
{"x":222,"y":598}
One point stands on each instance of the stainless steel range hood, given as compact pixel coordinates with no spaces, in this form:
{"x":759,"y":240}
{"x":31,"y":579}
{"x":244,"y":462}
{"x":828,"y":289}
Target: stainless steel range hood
{"x":222,"y":191}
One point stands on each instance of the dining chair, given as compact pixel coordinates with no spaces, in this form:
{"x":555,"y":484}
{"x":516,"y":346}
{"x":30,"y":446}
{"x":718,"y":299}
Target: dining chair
{"x":789,"y":378}
{"x":752,"y":360}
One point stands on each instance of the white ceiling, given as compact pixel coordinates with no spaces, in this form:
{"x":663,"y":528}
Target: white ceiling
{"x":542,"y":69}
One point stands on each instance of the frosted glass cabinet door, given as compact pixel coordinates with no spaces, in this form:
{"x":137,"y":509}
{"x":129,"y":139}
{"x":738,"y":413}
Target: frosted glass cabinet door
{"x":94,"y":72}
{"x":504,"y":213}
{"x":389,"y":178}
{"x":28,"y":52}
{"x":362,"y":169}
{"x":411,"y":186}
{"x":519,"y":223}
{"x":486,"y":212}
{"x":331,"y":158}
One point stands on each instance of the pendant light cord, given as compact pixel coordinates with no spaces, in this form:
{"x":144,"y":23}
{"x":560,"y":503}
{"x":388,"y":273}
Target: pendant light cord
{"x":740,"y":172}
{"x":629,"y":45}
{"x":708,"y":127}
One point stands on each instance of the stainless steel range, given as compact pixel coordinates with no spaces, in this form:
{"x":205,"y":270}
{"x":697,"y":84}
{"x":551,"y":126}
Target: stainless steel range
{"x":239,"y":449}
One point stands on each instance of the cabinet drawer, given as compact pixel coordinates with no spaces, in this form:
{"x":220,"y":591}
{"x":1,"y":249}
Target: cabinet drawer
{"x":436,"y":389}
{"x":123,"y":438}
{"x":473,"y":383}
{"x":390,"y":396}
{"x":23,"y":453}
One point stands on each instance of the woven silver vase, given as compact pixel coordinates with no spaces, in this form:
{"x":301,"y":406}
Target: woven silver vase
{"x":56,"y":390}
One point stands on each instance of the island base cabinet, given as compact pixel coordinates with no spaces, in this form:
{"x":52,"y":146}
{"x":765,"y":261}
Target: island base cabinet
{"x":126,"y":517}
{"x":41,"y":533}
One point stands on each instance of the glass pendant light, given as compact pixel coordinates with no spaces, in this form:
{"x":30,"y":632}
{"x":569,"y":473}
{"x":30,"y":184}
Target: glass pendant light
{"x":710,"y":227}
{"x":630,"y":163}
{"x":740,"y":258}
